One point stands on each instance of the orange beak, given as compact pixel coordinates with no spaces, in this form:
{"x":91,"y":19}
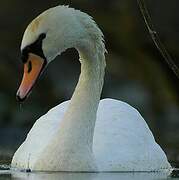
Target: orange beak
{"x":32,"y":70}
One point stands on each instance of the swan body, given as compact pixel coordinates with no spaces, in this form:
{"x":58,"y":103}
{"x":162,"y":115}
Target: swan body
{"x":122,"y":141}
{"x":84,"y":133}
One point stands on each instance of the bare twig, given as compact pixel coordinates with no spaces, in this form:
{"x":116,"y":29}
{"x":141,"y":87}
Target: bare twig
{"x":155,"y":37}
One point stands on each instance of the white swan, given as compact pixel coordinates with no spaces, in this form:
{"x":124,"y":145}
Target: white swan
{"x":79,"y":135}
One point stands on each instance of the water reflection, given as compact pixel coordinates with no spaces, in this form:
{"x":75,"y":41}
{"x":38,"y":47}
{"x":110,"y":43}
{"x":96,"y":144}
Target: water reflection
{"x":82,"y":176}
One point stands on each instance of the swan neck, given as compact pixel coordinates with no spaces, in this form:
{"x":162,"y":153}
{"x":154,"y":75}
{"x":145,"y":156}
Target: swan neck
{"x":79,"y":120}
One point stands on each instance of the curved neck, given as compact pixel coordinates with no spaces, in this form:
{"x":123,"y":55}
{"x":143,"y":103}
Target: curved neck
{"x":77,"y":127}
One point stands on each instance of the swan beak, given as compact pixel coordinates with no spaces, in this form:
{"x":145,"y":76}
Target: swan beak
{"x":32,"y":69}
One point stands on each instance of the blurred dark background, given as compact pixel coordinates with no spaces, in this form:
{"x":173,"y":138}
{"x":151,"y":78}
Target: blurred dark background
{"x":136,"y":73}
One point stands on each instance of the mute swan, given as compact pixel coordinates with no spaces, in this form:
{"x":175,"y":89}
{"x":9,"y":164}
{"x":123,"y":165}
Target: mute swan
{"x":83,"y":134}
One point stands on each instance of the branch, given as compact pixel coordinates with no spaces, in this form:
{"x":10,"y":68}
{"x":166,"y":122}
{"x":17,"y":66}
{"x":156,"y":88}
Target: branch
{"x":156,"y":39}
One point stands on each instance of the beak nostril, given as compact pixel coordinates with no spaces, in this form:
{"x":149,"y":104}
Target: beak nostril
{"x":29,"y":66}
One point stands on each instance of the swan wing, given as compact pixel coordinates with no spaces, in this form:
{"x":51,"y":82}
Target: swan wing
{"x":123,"y":141}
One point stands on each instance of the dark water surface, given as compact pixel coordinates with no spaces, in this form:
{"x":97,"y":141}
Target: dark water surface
{"x":8,"y":174}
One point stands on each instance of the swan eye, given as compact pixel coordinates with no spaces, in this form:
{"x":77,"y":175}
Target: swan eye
{"x":42,"y":36}
{"x":35,"y":48}
{"x":29,"y":66}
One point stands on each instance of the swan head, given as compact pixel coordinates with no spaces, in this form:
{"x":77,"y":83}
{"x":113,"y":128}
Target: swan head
{"x":48,"y":35}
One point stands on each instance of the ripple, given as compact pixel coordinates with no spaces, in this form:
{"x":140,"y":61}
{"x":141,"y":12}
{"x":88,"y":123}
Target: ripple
{"x":4,"y":167}
{"x":175,"y":173}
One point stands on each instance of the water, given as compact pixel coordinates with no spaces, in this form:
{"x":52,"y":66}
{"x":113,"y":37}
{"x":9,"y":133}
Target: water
{"x":15,"y":175}
{"x":82,"y":176}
